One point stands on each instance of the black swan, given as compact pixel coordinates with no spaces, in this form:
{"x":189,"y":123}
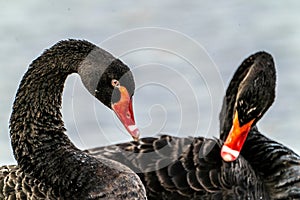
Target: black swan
{"x":193,"y":168}
{"x":49,"y":165}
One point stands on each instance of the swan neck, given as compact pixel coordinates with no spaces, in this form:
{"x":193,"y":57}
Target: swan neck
{"x":39,"y":142}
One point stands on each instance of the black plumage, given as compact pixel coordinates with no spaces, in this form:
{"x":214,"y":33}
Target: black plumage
{"x":186,"y":168}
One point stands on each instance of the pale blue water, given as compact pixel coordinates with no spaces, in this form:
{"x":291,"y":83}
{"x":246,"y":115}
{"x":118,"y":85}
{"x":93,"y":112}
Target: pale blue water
{"x":179,"y":89}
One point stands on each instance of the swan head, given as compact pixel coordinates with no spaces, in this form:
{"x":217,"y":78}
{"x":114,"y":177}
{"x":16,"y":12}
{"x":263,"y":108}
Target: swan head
{"x":254,"y":94}
{"x":112,"y":83}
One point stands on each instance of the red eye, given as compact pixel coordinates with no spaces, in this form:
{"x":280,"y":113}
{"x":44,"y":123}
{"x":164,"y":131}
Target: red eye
{"x":115,"y":83}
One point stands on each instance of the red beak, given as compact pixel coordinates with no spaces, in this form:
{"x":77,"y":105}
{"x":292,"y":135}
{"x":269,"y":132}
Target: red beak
{"x":124,"y":111}
{"x":235,"y":139}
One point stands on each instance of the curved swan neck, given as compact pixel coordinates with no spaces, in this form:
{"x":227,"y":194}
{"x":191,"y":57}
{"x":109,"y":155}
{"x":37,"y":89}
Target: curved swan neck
{"x":36,"y":115}
{"x":39,"y":143}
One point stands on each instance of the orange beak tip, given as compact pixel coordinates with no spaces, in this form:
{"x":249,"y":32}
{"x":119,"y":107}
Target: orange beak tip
{"x":229,"y":154}
{"x":134,"y":132}
{"x":235,"y":140}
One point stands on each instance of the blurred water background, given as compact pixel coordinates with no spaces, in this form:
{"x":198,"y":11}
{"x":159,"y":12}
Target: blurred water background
{"x":183,"y":53}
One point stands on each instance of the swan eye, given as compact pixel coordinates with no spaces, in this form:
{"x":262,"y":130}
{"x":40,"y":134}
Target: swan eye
{"x":115,"y":83}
